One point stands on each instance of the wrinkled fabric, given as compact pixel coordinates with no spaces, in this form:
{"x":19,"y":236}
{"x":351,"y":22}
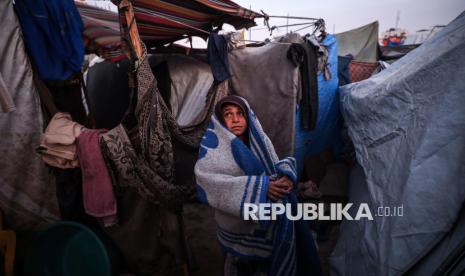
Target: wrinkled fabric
{"x":361,"y":43}
{"x":108,"y":81}
{"x":217,"y":55}
{"x":191,"y":80}
{"x":343,"y":69}
{"x":322,"y":53}
{"x":53,"y":34}
{"x":132,"y":170}
{"x":58,"y":143}
{"x":305,"y":56}
{"x":230,"y":175}
{"x":271,"y":92}
{"x":326,"y":134}
{"x":148,"y":232}
{"x":27,"y":190}
{"x":408,"y":128}
{"x":6,"y":102}
{"x":144,"y":235}
{"x":97,"y":190}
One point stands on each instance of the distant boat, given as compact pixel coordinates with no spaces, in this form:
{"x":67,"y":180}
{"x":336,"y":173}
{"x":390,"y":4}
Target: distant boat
{"x":393,"y":37}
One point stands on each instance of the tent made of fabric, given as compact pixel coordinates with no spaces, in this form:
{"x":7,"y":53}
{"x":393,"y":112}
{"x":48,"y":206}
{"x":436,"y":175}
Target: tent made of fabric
{"x":27,"y":189}
{"x":160,"y":22}
{"x":361,"y":43}
{"x":407,"y":124}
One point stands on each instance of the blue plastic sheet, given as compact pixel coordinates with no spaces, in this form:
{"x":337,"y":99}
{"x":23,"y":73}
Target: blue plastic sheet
{"x":326,"y":134}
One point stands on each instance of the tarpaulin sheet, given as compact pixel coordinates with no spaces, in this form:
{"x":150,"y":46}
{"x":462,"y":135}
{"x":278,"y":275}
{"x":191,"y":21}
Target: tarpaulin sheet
{"x":27,"y":190}
{"x":160,"y":22}
{"x":326,"y":133}
{"x":270,"y":83}
{"x":191,"y":80}
{"x":361,"y":43}
{"x":407,"y":124}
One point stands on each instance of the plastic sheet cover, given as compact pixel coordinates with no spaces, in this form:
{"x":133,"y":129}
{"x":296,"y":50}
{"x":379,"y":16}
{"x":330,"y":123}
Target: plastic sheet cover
{"x":408,"y":127}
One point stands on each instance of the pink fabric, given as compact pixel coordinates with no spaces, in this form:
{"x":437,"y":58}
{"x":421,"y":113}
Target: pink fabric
{"x":98,"y":195}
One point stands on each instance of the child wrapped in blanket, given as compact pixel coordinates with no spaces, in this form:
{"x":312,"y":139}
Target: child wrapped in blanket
{"x":237,"y":165}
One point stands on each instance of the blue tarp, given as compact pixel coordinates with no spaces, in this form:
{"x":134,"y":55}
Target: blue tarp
{"x":52,"y":31}
{"x":326,"y":134}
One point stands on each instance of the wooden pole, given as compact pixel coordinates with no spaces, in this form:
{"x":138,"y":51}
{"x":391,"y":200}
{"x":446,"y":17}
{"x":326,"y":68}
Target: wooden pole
{"x":126,"y":6}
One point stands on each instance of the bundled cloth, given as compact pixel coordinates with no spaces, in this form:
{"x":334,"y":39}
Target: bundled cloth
{"x":241,"y":177}
{"x":57,"y":144}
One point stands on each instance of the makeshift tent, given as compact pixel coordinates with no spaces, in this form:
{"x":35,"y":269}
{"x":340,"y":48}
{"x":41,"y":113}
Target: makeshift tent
{"x":422,"y":35}
{"x":27,"y":190}
{"x":361,"y":43}
{"x":407,"y":124}
{"x":160,"y":22}
{"x":393,"y":53}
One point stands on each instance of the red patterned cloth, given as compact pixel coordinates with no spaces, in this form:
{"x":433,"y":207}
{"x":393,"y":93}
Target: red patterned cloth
{"x":361,"y":70}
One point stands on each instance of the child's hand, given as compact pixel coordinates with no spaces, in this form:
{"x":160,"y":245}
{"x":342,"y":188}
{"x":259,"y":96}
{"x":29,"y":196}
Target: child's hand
{"x":278,"y":189}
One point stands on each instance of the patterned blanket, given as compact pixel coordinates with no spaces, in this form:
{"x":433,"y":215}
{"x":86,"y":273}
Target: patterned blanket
{"x":230,"y":174}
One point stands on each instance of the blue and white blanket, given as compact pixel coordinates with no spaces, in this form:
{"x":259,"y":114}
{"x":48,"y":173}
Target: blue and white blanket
{"x":229,"y":174}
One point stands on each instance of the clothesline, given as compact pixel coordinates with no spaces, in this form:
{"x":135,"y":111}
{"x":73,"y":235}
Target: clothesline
{"x":207,"y":32}
{"x":287,"y":25}
{"x":304,"y":28}
{"x":248,"y":40}
{"x":291,"y":17}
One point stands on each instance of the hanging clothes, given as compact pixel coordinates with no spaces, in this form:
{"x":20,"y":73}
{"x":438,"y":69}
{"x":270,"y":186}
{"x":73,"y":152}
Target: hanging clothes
{"x":305,"y":56}
{"x":52,"y":31}
{"x":98,"y":197}
{"x":27,"y":198}
{"x":217,"y":56}
{"x":326,"y":133}
{"x":58,"y":143}
{"x":141,"y":164}
{"x":266,"y":70}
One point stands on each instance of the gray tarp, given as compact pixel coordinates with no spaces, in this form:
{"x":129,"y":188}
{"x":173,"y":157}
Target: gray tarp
{"x":362,"y":42}
{"x":408,"y":127}
{"x":270,"y":83}
{"x":27,"y":190}
{"x":191,"y":80}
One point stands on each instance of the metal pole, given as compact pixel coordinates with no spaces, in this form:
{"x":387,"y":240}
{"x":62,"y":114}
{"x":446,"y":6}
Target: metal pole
{"x":250,"y":29}
{"x":287,"y":24}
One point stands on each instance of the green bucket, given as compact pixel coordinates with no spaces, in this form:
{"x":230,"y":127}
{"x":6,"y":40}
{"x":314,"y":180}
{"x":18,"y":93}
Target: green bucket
{"x":67,"y":249}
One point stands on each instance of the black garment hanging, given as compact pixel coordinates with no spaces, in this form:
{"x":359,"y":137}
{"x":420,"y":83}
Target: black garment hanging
{"x":305,"y":55}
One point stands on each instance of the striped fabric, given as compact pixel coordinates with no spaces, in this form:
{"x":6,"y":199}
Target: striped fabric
{"x":101,"y":32}
{"x":160,"y":22}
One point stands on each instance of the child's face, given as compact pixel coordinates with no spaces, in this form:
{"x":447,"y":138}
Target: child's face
{"x":235,"y":119}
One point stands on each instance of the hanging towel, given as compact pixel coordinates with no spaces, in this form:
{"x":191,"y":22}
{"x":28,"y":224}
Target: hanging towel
{"x":97,"y":189}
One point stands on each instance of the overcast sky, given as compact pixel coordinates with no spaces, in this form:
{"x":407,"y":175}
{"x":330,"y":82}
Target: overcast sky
{"x":344,"y":15}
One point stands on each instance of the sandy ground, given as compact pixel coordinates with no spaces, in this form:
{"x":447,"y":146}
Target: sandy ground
{"x":200,"y":228}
